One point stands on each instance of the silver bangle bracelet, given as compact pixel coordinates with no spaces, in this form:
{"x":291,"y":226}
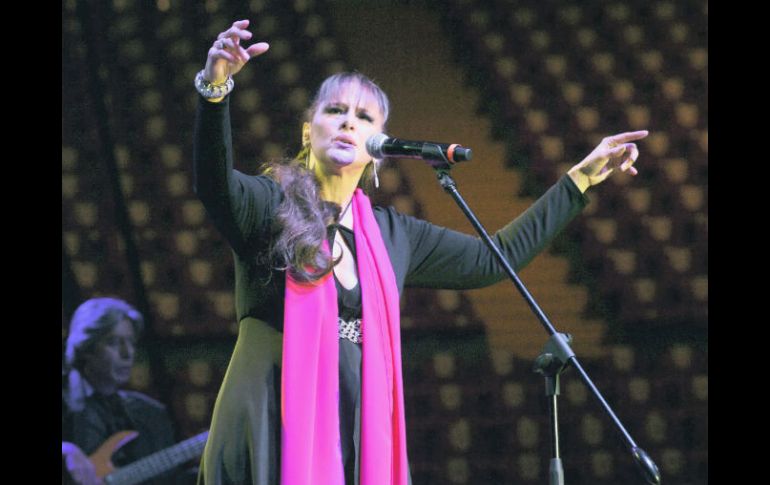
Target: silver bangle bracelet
{"x":209,"y":90}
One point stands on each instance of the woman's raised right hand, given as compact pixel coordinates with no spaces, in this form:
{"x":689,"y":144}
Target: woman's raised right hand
{"x":227,"y":56}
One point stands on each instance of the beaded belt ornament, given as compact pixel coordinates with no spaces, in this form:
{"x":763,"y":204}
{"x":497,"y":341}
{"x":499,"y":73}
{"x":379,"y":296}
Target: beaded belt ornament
{"x":351,"y":330}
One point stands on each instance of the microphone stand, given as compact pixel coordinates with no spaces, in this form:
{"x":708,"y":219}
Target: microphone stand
{"x":557,"y":353}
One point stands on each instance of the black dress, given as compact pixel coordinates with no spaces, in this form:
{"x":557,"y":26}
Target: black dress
{"x":244,"y":441}
{"x":349,"y":303}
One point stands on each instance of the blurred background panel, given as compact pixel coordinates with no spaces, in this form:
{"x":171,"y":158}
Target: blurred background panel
{"x":531,"y":86}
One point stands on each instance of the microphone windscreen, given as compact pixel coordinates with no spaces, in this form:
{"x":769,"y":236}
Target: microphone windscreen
{"x":374,"y":145}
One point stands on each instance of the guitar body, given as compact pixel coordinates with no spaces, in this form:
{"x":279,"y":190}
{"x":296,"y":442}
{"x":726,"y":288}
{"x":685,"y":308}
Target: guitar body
{"x":102,"y":457}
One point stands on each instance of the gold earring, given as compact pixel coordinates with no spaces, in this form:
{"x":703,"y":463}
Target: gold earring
{"x":376,"y":179}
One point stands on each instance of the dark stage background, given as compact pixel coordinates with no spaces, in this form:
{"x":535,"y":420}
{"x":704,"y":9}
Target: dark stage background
{"x":531,"y":86}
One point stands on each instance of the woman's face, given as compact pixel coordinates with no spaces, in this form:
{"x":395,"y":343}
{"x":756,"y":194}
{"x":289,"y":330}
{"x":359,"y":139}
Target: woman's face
{"x":340,"y":127}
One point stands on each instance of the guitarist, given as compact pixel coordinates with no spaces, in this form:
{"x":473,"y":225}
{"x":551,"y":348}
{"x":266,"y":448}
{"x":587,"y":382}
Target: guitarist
{"x":98,"y":360}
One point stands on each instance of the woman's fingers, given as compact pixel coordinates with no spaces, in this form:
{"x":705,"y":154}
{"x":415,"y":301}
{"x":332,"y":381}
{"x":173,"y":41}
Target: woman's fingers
{"x":632,"y":153}
{"x":612,"y":152}
{"x":233,"y":33}
{"x":257,"y":49}
{"x":231,"y":45}
{"x":613,"y":155}
{"x":626,"y":137}
{"x":245,"y":54}
{"x":231,"y":38}
{"x":602,"y":176}
{"x":238,"y":30}
{"x":233,"y":48}
{"x":221,"y":53}
{"x":227,"y":56}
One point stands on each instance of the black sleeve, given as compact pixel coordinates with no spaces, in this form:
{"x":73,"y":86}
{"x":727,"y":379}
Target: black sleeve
{"x":241,"y":206}
{"x":443,"y":258}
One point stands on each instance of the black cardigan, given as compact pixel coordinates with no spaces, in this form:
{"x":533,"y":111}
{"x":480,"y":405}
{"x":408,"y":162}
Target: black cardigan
{"x":422,"y":254}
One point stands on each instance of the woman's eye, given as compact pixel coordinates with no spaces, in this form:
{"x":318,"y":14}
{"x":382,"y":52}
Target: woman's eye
{"x":366,"y":117}
{"x":333,"y":110}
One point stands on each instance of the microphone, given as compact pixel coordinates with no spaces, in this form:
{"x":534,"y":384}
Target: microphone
{"x":439,"y":155}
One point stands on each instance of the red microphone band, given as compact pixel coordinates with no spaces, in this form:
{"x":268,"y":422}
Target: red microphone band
{"x":451,"y":152}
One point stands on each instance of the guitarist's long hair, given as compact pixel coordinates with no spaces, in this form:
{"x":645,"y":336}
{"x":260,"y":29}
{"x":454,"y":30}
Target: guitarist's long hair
{"x":92,"y":321}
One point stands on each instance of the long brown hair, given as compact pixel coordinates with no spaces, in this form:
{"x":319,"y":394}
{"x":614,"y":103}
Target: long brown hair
{"x":300,"y":224}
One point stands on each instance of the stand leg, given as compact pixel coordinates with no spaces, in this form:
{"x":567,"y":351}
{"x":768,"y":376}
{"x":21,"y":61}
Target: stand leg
{"x":555,"y":469}
{"x":556,"y":472}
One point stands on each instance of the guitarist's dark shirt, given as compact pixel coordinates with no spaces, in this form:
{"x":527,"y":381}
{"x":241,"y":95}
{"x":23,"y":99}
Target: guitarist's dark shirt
{"x":102,"y":416}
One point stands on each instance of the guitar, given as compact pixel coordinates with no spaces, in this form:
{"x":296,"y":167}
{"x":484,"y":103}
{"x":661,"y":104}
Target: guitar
{"x":149,"y":466}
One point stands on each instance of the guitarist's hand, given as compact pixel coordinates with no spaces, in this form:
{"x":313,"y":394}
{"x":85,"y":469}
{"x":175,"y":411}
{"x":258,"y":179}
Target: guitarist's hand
{"x":79,"y":467}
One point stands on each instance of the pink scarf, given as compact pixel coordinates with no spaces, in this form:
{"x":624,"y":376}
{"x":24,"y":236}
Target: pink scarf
{"x":311,"y":453}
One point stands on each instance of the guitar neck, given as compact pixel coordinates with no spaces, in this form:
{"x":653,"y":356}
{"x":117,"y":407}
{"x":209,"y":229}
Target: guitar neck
{"x":159,"y":462}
